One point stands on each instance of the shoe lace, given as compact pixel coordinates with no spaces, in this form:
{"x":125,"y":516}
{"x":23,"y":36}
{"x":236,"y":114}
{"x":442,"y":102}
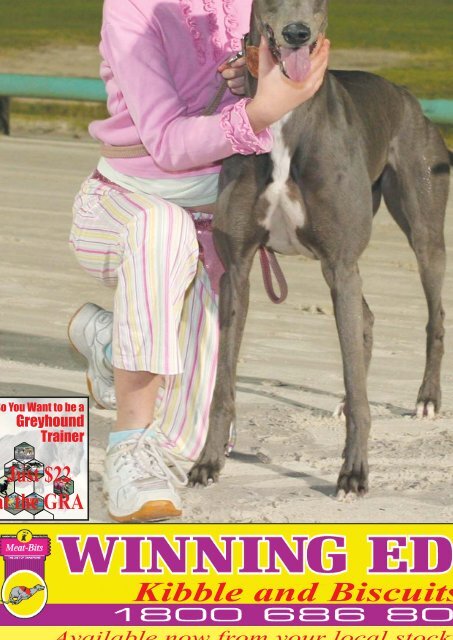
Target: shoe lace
{"x":150,"y":456}
{"x":104,"y":317}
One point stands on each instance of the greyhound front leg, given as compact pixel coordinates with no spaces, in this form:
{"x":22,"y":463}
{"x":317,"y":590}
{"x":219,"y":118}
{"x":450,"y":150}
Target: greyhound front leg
{"x":368,"y":322}
{"x":346,"y":291}
{"x":234,"y":298}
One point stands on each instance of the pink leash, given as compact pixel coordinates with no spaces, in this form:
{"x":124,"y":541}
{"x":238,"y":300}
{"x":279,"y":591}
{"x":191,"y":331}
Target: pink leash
{"x":269,"y":264}
{"x":215,"y":268}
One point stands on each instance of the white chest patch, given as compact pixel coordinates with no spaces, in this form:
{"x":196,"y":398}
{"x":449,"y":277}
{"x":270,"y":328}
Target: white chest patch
{"x":284,"y":214}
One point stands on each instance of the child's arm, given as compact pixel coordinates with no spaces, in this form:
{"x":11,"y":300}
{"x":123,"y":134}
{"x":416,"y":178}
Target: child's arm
{"x":174,"y":140}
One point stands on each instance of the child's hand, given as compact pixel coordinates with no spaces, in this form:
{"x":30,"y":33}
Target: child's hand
{"x":276,"y":94}
{"x":234,"y":73}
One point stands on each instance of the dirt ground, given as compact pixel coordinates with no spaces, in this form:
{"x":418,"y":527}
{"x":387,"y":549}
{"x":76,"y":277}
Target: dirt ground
{"x":83,"y":60}
{"x":288,"y":451}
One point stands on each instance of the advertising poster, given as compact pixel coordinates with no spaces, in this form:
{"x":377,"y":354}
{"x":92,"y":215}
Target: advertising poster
{"x":271,"y":551}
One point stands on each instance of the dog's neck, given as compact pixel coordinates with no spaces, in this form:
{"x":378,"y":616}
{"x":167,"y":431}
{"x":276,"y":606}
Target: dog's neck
{"x":306,"y":121}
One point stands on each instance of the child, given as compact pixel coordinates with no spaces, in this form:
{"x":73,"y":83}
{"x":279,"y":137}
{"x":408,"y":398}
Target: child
{"x":134,"y":229}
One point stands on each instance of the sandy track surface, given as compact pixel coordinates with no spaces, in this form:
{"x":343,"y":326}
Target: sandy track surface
{"x":287,"y":457}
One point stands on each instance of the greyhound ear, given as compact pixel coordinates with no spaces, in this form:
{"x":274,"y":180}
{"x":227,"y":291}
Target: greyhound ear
{"x":255,"y":31}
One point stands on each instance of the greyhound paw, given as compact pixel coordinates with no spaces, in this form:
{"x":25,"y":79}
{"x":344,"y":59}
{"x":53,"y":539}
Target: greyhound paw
{"x":231,"y":439}
{"x":428,"y":400}
{"x":352,"y":483}
{"x":340,"y":411}
{"x":207,"y":469}
{"x":342,"y":496}
{"x":425,"y":409}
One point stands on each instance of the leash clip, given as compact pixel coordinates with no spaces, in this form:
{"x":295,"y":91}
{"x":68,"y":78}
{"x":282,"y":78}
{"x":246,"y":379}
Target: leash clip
{"x":240,"y":54}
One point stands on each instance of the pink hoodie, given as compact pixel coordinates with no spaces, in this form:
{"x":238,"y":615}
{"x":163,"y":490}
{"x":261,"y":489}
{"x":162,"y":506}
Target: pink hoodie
{"x":160,"y":60}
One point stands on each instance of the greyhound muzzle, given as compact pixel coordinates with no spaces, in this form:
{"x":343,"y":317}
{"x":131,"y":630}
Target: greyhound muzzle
{"x":293,"y":60}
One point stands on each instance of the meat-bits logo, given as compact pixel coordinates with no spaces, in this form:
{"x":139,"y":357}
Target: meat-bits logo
{"x":24,"y":590}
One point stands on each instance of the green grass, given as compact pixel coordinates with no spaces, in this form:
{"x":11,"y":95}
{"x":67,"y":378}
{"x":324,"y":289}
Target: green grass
{"x":404,"y":25}
{"x":418,"y":26}
{"x":34,"y":23}
{"x":427,"y":76}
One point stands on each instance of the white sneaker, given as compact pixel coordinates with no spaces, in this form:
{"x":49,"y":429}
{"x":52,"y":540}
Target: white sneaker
{"x":90,"y":332}
{"x":139,"y":484}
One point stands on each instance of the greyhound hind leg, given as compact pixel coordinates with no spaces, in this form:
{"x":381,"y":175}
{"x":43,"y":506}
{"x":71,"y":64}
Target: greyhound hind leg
{"x":415,"y":192}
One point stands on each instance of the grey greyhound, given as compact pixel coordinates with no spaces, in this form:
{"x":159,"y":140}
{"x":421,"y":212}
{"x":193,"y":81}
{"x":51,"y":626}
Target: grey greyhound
{"x":358,"y":139}
{"x":19,"y":594}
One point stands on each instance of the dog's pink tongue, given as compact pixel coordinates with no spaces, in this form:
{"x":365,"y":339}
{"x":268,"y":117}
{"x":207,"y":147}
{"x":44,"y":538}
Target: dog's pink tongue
{"x":297,"y":62}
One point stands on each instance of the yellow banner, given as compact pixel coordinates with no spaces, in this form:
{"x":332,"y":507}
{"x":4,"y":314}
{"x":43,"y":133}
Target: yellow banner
{"x":199,"y":582}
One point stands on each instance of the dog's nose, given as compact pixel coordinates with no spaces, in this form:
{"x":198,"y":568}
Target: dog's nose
{"x":296,"y":33}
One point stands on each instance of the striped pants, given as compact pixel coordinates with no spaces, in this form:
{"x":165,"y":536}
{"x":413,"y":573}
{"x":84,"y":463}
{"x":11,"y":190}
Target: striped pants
{"x":165,"y":317}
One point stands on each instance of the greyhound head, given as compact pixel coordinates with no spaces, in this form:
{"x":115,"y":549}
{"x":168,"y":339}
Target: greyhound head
{"x":292,"y":28}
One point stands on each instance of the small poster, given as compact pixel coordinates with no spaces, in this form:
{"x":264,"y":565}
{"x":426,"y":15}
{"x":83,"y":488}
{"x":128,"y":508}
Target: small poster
{"x":43,"y":459}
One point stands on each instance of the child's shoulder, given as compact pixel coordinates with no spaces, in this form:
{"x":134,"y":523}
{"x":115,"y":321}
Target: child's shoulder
{"x":235,"y":13}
